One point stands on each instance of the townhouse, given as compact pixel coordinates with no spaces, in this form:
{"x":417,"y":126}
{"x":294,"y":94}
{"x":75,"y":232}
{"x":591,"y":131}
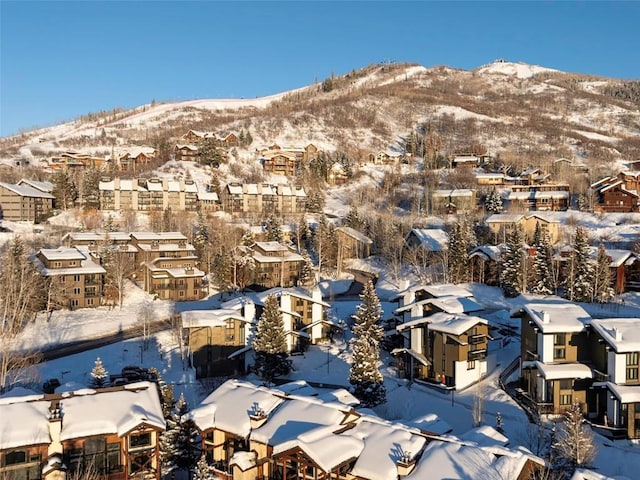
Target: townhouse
{"x":555,"y":371}
{"x":56,"y":436}
{"x":539,"y":197}
{"x":293,"y":431}
{"x":74,"y":276}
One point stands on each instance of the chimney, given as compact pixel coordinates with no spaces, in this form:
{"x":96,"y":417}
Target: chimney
{"x":257,"y":416}
{"x":617,"y":334}
{"x":405,"y":464}
{"x":545,"y":316}
{"x":55,"y":428}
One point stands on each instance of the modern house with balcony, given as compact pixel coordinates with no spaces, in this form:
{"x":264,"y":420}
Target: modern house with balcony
{"x":614,"y":346}
{"x":555,"y":370}
{"x":443,"y":348}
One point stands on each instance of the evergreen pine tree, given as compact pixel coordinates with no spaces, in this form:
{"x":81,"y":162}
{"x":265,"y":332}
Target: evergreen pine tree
{"x":273,"y":229}
{"x":168,"y":223}
{"x":248,"y":139}
{"x":214,"y":183}
{"x":537,"y":234}
{"x":270,"y":343}
{"x":307,"y":275}
{"x":201,"y":236}
{"x":203,"y":470}
{"x":543,"y":267}
{"x":222,"y":270}
{"x":99,"y":374}
{"x":247,"y":239}
{"x":64,"y":190}
{"x":353,"y":219}
{"x":364,"y":374}
{"x":109,"y":225}
{"x":602,"y":289}
{"x":512,"y":275}
{"x":90,"y":188}
{"x":458,"y":253}
{"x":579,"y":283}
{"x":493,"y":202}
{"x":187,"y":454}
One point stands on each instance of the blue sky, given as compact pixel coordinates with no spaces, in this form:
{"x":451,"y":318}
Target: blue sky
{"x":59,"y":60}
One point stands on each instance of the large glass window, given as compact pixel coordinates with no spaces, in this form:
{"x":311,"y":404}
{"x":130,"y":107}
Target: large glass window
{"x":138,"y":440}
{"x":559,"y":346}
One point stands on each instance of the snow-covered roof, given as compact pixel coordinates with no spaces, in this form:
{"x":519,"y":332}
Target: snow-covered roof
{"x":504,"y":218}
{"x":209,"y":318}
{"x":456,"y":192}
{"x":96,"y":236}
{"x":25,"y":421}
{"x":159,"y":236}
{"x":453,"y":324}
{"x":87,"y":266}
{"x":384,"y":444}
{"x":430,"y":423}
{"x":558,"y":371}
{"x":487,"y":252}
{"x":62,"y":253}
{"x":431,"y":239}
{"x":448,"y":304}
{"x":625,"y":393}
{"x":353,"y":233}
{"x":26,"y":190}
{"x":584,"y":474}
{"x":622,"y":334}
{"x":229,"y":406}
{"x":446,"y":290}
{"x":555,"y":316}
{"x":208,"y":196}
{"x":484,"y":436}
{"x":42,"y":186}
{"x":298,"y":292}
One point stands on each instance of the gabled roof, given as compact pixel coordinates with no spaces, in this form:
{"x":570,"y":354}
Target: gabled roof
{"x":353,"y":233}
{"x":209,"y":318}
{"x":431,"y":239}
{"x":46,"y":187}
{"x":26,"y":191}
{"x":559,"y":371}
{"x":504,"y":218}
{"x":453,"y":324}
{"x":447,"y":304}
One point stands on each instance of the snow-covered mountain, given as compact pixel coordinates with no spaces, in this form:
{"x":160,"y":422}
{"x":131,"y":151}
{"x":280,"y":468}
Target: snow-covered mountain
{"x":512,"y":109}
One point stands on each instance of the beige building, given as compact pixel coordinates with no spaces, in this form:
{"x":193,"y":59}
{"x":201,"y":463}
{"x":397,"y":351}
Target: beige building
{"x":250,"y":198}
{"x":502,"y":224}
{"x":154,"y":194}
{"x":275,"y":265}
{"x":75,"y":277}
{"x":24,"y":202}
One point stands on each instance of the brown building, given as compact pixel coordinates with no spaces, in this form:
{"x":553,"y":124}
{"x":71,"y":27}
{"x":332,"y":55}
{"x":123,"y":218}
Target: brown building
{"x":154,"y":194}
{"x":544,"y":197}
{"x":74,"y":276}
{"x":216,"y":339}
{"x":554,"y":369}
{"x":613,"y":195}
{"x":276,"y":265}
{"x":24,"y":203}
{"x":444,"y":348}
{"x":187,"y":153}
{"x":168,"y":266}
{"x":56,"y":436}
{"x":280,"y":163}
{"x":453,"y":201}
{"x":352,"y":243}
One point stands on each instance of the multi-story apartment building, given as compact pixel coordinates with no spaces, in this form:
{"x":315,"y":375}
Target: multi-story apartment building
{"x":250,"y":198}
{"x":274,"y":265}
{"x":57,"y":436}
{"x":24,"y":202}
{"x":74,"y":276}
{"x":168,"y":266}
{"x":148,"y":195}
{"x":543,"y":197}
{"x":555,"y":373}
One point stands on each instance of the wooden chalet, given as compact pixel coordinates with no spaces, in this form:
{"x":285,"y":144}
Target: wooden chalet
{"x":611,"y":194}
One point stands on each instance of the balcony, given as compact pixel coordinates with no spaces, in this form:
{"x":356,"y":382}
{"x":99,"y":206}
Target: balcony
{"x":476,"y":339}
{"x":477,"y":354}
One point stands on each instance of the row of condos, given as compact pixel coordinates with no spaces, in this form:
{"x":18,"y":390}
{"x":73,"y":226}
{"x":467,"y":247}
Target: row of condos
{"x":295,"y":432}
{"x":251,"y":198}
{"x":28,"y":200}
{"x":438,"y":338}
{"x":147,"y":195}
{"x":568,"y":357}
{"x":163,"y":264}
{"x":56,"y":436}
{"x":219,"y":341}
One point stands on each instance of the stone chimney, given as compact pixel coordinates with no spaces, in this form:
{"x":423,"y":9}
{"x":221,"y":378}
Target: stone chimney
{"x":405,"y":464}
{"x":55,"y":428}
{"x":257,"y":416}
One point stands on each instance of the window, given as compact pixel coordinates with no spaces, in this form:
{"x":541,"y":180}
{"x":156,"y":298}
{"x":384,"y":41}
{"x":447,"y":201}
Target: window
{"x":632,"y":366}
{"x":76,"y":278}
{"x":559,"y":346}
{"x":632,"y":358}
{"x":137,"y":440}
{"x":76,"y":291}
{"x":566,"y":399}
{"x":14,"y":458}
{"x":632,"y":373}
{"x":566,"y":384}
{"x":471,"y":364}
